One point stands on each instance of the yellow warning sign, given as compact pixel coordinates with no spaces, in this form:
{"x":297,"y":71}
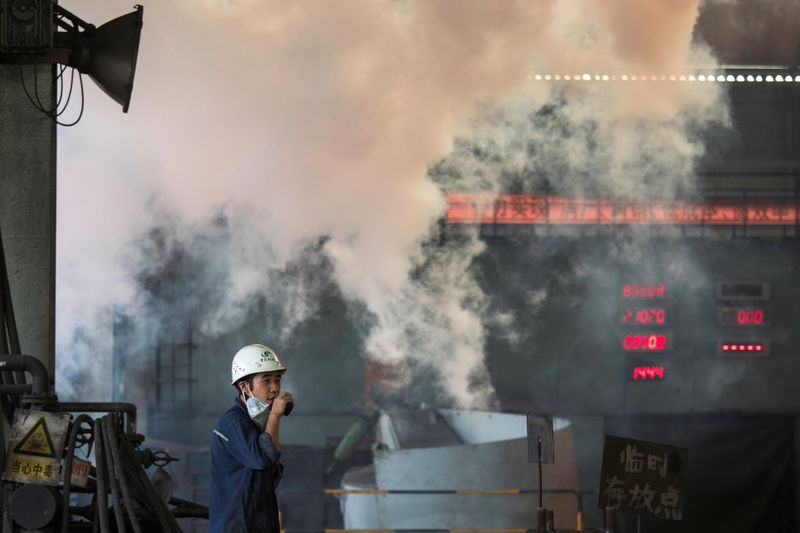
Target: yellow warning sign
{"x":30,"y":470}
{"x":37,"y":442}
{"x":35,"y":447}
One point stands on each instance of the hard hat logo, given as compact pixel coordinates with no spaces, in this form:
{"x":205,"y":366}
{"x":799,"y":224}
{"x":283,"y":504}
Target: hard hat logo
{"x":254,"y":359}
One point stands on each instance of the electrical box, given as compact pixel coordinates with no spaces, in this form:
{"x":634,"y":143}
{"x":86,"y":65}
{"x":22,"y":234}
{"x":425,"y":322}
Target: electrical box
{"x":26,"y":25}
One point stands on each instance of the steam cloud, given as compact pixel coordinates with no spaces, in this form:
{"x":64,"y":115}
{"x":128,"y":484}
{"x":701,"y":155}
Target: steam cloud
{"x":302,"y":120}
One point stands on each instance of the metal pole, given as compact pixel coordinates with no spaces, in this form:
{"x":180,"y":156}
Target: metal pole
{"x":189,"y":355}
{"x":172,"y":374}
{"x":158,"y":376}
{"x":541,"y":491}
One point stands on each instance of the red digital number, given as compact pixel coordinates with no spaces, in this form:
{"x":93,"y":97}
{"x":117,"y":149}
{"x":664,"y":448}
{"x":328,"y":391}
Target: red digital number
{"x":648,"y":373}
{"x":644,"y":316}
{"x":750,"y":316}
{"x":635,"y":290}
{"x":743,"y":316}
{"x":644,"y":342}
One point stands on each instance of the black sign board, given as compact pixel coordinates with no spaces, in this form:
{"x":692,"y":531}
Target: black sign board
{"x":643,"y":477}
{"x":540,"y":427}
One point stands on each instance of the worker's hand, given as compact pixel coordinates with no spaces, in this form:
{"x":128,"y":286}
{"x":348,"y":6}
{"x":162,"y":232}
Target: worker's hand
{"x":280,"y":402}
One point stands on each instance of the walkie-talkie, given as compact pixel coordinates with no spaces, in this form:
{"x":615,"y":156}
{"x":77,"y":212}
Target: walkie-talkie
{"x":287,"y":410}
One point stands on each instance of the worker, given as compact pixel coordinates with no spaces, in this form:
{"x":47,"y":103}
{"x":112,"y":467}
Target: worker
{"x":245,"y":446}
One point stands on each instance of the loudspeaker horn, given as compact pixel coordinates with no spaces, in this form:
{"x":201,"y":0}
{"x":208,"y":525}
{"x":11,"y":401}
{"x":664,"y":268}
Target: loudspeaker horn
{"x":112,"y":52}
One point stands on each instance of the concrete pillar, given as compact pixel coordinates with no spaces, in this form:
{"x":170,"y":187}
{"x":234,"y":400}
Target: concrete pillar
{"x":28,"y":206}
{"x":589,"y":432}
{"x":797,"y":470}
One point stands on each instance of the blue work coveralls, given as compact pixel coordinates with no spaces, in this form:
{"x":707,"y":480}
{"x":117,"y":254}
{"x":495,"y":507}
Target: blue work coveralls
{"x":244,"y":473}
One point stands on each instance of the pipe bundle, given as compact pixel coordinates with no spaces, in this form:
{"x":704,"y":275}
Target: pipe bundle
{"x":135,"y":504}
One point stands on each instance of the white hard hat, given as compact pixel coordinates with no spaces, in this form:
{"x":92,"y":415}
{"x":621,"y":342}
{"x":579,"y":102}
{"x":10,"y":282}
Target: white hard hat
{"x":254,"y":359}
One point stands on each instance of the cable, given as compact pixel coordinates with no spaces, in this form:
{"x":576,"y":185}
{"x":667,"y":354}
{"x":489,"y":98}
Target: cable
{"x":60,"y":84}
{"x":147,"y":492}
{"x":69,"y":94}
{"x":53,"y":114}
{"x":73,"y":436}
{"x":36,"y":88}
{"x":38,"y":104}
{"x":61,"y":90}
{"x":101,"y":500}
{"x":80,"y":115}
{"x":113,"y":482}
{"x":111,"y":434}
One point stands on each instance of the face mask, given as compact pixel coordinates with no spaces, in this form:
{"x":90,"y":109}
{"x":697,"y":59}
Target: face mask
{"x":258,"y":410}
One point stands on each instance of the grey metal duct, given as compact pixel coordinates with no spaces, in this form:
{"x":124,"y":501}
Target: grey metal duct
{"x":27,"y":363}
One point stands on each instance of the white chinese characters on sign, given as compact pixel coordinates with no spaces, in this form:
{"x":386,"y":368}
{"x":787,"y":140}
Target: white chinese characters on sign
{"x":634,"y":461}
{"x":669,"y":502}
{"x":643,"y":498}
{"x":615,"y":491}
{"x":643,"y":477}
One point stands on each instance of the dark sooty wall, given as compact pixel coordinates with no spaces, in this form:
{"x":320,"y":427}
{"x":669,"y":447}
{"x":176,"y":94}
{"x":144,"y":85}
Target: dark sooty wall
{"x":568,"y":354}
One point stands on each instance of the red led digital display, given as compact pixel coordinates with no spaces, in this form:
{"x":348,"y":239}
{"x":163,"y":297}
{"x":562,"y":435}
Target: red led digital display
{"x":750,"y":316}
{"x":653,"y":342}
{"x":647,"y":373}
{"x":751,"y":347}
{"x":487,"y":208}
{"x":743,"y":316}
{"x":636,"y":290}
{"x":644,"y":316}
{"x":748,"y":347}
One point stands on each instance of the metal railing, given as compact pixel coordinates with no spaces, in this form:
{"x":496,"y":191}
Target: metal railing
{"x":577,"y":494}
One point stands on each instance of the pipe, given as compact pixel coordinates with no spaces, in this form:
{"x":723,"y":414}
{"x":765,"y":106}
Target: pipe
{"x":112,"y":477}
{"x":101,"y":500}
{"x":111,"y":435}
{"x":610,"y":521}
{"x":28,"y":363}
{"x":185,"y":506}
{"x":145,"y":487}
{"x":187,"y":512}
{"x":351,"y":439}
{"x":73,"y":436}
{"x":7,"y":400}
{"x":99,"y":407}
{"x":23,"y":388}
{"x":2,"y":442}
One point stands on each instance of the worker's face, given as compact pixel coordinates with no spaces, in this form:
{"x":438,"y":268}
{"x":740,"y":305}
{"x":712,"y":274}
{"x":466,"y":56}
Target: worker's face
{"x":266,"y":385}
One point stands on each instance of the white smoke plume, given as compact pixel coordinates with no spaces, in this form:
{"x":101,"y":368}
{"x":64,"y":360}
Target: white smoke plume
{"x":318,"y":118}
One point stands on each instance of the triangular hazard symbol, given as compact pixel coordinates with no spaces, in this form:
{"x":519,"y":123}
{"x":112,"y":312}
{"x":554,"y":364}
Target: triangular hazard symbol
{"x":37,"y":441}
